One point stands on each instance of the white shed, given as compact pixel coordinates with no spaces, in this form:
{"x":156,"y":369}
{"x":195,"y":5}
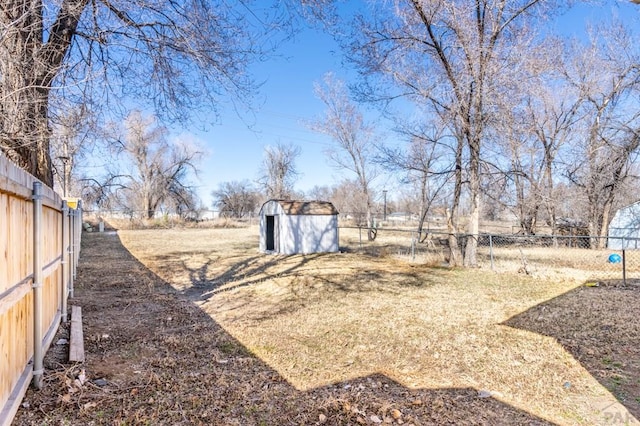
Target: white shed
{"x":298,"y":227}
{"x":624,"y":229}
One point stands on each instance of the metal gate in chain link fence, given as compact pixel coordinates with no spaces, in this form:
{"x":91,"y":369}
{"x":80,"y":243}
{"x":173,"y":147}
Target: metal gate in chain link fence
{"x":583,"y":258}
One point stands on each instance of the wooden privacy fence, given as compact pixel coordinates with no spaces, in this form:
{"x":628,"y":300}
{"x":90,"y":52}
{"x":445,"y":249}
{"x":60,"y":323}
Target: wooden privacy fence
{"x":39,"y":249}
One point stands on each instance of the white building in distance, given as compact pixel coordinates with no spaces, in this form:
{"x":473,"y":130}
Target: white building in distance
{"x":298,"y":227}
{"x":624,"y":229}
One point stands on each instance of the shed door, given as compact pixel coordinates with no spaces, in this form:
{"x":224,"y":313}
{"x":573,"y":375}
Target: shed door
{"x":271,"y":237}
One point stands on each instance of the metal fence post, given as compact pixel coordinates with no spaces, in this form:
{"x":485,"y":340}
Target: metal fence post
{"x":76,"y":248}
{"x":79,"y":235}
{"x":72,"y":232}
{"x":624,"y":267}
{"x":37,"y":286}
{"x":65,"y":258}
{"x":491,"y":250}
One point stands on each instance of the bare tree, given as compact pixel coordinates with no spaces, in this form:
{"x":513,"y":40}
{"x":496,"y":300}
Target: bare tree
{"x":153,"y":172}
{"x":99,"y":51}
{"x":608,"y":75}
{"x":354,"y":139}
{"x":236,"y":199}
{"x":531,"y":138}
{"x":279,"y":173}
{"x":322,"y":193}
{"x":553,"y":118}
{"x":426,"y":164}
{"x":348,"y":199}
{"x":454,"y":57}
{"x":73,"y":137}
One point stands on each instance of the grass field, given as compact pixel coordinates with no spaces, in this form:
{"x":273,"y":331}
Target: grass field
{"x":322,"y":319}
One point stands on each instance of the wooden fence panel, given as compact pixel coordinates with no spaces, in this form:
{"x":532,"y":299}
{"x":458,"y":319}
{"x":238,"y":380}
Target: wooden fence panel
{"x":5,"y":274}
{"x":16,"y":326}
{"x":18,"y":353}
{"x":18,"y":248}
{"x":52,"y":261}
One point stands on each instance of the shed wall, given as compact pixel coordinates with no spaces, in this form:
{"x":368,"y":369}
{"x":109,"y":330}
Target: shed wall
{"x":624,"y":229}
{"x":308,"y":234}
{"x":299,"y":233}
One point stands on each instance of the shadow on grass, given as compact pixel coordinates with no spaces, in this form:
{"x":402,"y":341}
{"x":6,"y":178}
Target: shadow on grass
{"x":165,"y":361}
{"x":245,"y":272}
{"x":599,"y":326}
{"x":206,"y":280}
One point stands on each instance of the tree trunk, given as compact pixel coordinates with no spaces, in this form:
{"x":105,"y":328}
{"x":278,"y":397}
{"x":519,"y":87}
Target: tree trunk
{"x":604,"y":224}
{"x":28,"y":67}
{"x":471,"y":248}
{"x":593,"y":223}
{"x":455,"y":254}
{"x":424,"y":206}
{"x":146,"y":203}
{"x":550,"y":197}
{"x":371,"y":231}
{"x":24,"y":132}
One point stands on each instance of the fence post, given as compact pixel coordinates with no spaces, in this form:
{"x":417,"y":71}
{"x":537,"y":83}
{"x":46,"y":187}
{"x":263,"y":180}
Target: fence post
{"x":65,"y":258}
{"x":72,"y":256}
{"x":491,"y":249}
{"x":37,"y":286}
{"x":360,"y":232}
{"x":624,"y":267}
{"x":78,"y":236}
{"x":76,"y":248}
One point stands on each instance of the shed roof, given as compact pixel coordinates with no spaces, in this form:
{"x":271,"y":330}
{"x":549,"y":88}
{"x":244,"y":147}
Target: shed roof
{"x":307,"y":207}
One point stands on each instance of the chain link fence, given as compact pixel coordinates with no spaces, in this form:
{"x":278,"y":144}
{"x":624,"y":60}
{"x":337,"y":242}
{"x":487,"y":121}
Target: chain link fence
{"x":499,"y":250}
{"x":578,"y":257}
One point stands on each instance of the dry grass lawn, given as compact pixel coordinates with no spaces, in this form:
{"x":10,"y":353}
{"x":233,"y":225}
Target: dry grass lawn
{"x":322,"y":319}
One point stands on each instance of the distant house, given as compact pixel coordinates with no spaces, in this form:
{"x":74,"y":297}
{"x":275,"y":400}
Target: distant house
{"x":624,"y":229}
{"x":298,"y":227}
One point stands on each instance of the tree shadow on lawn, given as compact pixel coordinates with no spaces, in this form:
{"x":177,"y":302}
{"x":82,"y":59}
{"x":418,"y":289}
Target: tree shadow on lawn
{"x":246,"y":272}
{"x":205,"y":282}
{"x":600,"y":327}
{"x":154,"y":357}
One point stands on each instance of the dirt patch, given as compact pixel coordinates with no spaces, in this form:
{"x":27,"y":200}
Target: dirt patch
{"x":598,"y":325}
{"x":157,"y":352}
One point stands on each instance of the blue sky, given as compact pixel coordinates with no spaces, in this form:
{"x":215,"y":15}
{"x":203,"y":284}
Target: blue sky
{"x":235,"y":145}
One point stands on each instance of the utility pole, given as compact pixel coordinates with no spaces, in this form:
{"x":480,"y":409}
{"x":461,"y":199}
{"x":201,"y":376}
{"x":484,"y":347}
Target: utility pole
{"x":66,"y":160}
{"x":384,"y":193}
